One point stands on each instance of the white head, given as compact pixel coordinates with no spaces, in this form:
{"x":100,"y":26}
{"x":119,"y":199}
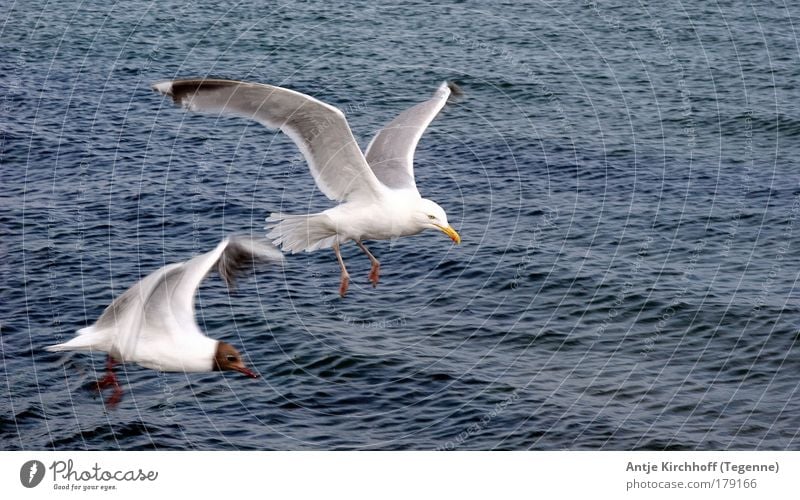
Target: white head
{"x":430,"y":215}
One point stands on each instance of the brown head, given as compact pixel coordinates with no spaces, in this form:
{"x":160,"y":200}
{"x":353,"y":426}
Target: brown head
{"x":228,"y":358}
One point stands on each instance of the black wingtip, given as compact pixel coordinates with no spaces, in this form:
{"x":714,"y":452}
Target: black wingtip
{"x":455,"y":90}
{"x":242,"y":254}
{"x":179,"y":89}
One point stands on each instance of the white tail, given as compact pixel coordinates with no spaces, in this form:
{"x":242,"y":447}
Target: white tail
{"x":295,"y":233}
{"x":88,"y":339}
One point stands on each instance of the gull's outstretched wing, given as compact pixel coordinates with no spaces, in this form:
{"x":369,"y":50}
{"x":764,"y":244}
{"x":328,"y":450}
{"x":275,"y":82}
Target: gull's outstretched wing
{"x":162,"y":303}
{"x":319,"y":130}
{"x":172,"y":292}
{"x":391,"y":151}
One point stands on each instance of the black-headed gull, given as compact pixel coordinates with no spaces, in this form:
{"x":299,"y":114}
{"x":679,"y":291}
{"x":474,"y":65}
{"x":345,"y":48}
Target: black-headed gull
{"x":152,"y":324}
{"x":378,"y":195}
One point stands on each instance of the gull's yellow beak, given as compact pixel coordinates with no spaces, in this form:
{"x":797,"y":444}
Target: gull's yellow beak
{"x":449,"y":231}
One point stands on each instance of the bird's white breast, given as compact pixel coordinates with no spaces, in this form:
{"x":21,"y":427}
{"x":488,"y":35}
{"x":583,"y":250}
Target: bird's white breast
{"x":165,"y":351}
{"x":391,"y":217}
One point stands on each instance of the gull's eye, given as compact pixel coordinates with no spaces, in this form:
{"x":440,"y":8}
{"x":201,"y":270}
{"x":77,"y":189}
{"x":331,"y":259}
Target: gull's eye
{"x":231,"y":358}
{"x":432,"y":217}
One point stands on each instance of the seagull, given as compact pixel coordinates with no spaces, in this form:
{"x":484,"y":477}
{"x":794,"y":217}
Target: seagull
{"x":378,"y":197}
{"x":152,"y":324}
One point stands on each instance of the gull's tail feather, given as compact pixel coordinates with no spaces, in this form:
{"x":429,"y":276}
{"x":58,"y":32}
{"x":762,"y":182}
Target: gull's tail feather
{"x":88,"y":339}
{"x":295,"y":233}
{"x":241,"y":254}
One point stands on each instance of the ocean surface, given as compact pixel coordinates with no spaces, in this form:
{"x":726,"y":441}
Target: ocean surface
{"x":624,"y":177}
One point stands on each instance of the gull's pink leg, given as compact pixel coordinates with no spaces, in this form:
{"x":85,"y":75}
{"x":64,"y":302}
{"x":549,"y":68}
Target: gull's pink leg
{"x":375,"y":271}
{"x":345,"y":275}
{"x":115,"y":398}
{"x":110,"y":379}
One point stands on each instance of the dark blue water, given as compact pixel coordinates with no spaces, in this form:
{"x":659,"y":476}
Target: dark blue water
{"x":624,"y":177}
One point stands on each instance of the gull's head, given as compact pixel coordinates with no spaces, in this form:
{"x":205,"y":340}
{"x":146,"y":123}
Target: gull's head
{"x":228,"y":358}
{"x":430,"y":215}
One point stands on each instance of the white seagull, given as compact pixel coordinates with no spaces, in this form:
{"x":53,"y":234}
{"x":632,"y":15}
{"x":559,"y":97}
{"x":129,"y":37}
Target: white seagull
{"x":152,"y":324}
{"x":378,"y":195}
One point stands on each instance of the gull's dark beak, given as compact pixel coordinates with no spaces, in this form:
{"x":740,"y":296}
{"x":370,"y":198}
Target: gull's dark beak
{"x":245,"y":370}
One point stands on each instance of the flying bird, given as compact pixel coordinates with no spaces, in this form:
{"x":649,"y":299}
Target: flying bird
{"x":152,"y":324}
{"x":378,"y":197}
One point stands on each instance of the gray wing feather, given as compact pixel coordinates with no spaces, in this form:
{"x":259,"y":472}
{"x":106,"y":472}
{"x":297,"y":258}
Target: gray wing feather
{"x":318,"y":129}
{"x":164,"y":299}
{"x":390,"y":154}
{"x":242,"y":254}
